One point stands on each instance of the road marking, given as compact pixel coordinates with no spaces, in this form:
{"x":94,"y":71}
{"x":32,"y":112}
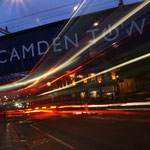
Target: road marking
{"x":30,"y":148}
{"x":54,"y":138}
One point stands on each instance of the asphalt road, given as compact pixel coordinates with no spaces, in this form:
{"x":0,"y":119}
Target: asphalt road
{"x":83,"y":132}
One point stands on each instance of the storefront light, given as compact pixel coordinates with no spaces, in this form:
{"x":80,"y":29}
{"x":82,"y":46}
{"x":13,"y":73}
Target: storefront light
{"x":92,"y":74}
{"x":48,"y":83}
{"x":72,"y":76}
{"x":99,"y":79}
{"x":44,"y":107}
{"x":73,"y":82}
{"x":85,"y":81}
{"x":95,"y":24}
{"x":82,"y":95}
{"x":93,"y":94}
{"x":80,"y":76}
{"x":108,"y":94}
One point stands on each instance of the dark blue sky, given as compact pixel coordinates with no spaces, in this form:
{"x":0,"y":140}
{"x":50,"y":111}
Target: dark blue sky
{"x":23,"y":14}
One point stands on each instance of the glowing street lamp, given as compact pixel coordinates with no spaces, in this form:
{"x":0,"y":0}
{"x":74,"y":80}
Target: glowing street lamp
{"x":75,"y":8}
{"x":48,"y":83}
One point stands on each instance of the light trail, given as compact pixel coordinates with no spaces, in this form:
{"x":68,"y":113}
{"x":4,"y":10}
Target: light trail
{"x":75,"y":12}
{"x":23,"y":83}
{"x":37,"y":81}
{"x":61,"y":32}
{"x":114,"y":108}
{"x":74,"y":57}
{"x":100,"y":73}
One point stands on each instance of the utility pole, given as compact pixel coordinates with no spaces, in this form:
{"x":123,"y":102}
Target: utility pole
{"x":4,"y":31}
{"x":121,"y":3}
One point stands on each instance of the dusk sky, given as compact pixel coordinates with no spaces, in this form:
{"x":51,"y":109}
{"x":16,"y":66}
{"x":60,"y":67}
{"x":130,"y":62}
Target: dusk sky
{"x":23,"y":14}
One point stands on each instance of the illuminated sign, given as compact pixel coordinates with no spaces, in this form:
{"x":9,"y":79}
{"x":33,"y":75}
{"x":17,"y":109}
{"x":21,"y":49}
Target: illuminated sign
{"x":22,"y":51}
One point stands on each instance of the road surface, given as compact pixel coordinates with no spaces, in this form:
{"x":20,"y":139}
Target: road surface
{"x":84,"y":132}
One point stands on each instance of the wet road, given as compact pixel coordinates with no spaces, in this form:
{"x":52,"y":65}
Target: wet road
{"x":83,"y":132}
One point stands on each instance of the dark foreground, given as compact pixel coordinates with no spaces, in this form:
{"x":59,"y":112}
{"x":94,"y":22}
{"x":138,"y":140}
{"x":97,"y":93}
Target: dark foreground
{"x":79,"y":132}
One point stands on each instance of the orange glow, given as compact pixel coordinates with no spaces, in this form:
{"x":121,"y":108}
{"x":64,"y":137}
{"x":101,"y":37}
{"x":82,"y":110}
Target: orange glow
{"x":82,"y":109}
{"x":65,"y":106}
{"x":53,"y":107}
{"x":48,"y":83}
{"x":80,"y":76}
{"x":50,"y":71}
{"x":91,"y":74}
{"x":108,"y":94}
{"x":71,"y":106}
{"x":73,"y":82}
{"x":72,"y":76}
{"x":82,"y":95}
{"x":113,"y":75}
{"x":21,"y":110}
{"x":39,"y":110}
{"x":36,"y":108}
{"x":36,"y":82}
{"x":69,"y":73}
{"x":99,"y":79}
{"x":44,"y":107}
{"x":85,"y":81}
{"x":94,"y":111}
{"x":66,"y":83}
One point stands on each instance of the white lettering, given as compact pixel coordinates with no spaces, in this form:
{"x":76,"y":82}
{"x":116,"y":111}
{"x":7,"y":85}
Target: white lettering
{"x":3,"y":61}
{"x":39,"y":47}
{"x":27,"y":50}
{"x":14,"y":54}
{"x":76,"y":43}
{"x":93,"y":33}
{"x":56,"y":44}
{"x":134,"y":24}
{"x":111,"y":36}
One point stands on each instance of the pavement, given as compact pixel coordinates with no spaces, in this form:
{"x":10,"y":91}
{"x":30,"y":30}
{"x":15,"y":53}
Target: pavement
{"x":8,"y":137}
{"x":76,"y":132}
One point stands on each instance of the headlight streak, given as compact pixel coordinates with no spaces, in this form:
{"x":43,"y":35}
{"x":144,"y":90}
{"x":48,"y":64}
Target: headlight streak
{"x":23,"y":83}
{"x":64,"y":75}
{"x":106,"y":105}
{"x":100,"y":73}
{"x":74,"y":57}
{"x":37,"y":81}
{"x":131,"y":107}
{"x":104,"y":34}
{"x":74,"y":71}
{"x":71,"y":72}
{"x":75,"y":12}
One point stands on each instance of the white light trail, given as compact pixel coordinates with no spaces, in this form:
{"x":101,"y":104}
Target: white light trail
{"x":24,"y":83}
{"x":100,"y":73}
{"x":74,"y":57}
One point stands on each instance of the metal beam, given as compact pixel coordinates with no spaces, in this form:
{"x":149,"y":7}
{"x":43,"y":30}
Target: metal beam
{"x":4,"y":31}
